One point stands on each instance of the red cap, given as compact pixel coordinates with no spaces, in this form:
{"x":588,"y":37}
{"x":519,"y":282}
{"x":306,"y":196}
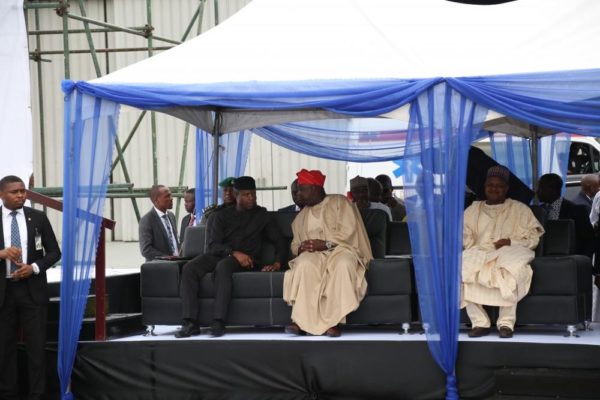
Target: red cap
{"x":313,"y":177}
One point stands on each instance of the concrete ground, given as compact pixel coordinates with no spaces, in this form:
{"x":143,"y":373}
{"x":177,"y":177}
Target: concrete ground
{"x":123,"y":255}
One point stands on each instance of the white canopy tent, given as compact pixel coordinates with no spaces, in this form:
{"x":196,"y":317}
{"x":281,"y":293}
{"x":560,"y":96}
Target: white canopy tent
{"x":304,"y":60}
{"x":304,"y":40}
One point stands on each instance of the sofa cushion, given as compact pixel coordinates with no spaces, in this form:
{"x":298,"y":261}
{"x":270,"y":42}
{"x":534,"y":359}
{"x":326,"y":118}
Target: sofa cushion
{"x":376,"y":226}
{"x":398,"y":239}
{"x":245,"y":285}
{"x":389,"y":277}
{"x":559,"y":238}
{"x":194,"y":241}
{"x":566,"y":275}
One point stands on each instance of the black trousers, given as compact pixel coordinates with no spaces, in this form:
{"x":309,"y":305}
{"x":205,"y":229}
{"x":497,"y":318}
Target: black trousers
{"x":19,"y":309}
{"x":193,"y":273}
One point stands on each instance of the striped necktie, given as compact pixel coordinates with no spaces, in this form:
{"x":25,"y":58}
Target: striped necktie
{"x":15,"y":238}
{"x":172,"y":245}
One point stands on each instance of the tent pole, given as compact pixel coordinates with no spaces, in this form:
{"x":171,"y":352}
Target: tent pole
{"x":534,"y":160}
{"x":216,"y":133}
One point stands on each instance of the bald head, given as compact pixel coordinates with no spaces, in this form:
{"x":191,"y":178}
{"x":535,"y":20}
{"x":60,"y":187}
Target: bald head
{"x":590,"y":184}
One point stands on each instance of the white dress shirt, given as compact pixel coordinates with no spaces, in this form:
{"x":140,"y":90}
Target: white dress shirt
{"x":6,"y":228}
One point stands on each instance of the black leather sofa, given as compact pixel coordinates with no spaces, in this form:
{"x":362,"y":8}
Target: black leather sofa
{"x":560,"y":294}
{"x":257,"y":296}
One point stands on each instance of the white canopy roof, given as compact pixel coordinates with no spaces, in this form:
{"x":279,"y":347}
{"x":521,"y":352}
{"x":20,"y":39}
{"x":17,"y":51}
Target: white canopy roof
{"x":300,"y":40}
{"x":271,"y":40}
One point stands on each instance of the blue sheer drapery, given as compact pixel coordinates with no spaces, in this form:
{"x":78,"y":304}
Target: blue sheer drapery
{"x":565,"y":101}
{"x":443,"y":123}
{"x":515,"y":153}
{"x":90,"y":131}
{"x":358,"y":140}
{"x":233,"y":154}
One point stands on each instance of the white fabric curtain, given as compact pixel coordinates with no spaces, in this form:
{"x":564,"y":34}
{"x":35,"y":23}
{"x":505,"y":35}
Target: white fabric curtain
{"x":15,"y":104}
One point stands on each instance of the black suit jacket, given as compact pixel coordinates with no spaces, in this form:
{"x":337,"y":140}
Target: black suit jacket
{"x":154,"y":239}
{"x":584,"y":232}
{"x":582,"y":200}
{"x":37,"y":223}
{"x":290,"y":208}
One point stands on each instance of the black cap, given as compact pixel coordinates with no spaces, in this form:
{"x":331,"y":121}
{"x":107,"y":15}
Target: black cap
{"x":244,"y":183}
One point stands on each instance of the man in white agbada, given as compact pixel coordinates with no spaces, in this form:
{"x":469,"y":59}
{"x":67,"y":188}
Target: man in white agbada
{"x":326,"y":281}
{"x":499,"y":239}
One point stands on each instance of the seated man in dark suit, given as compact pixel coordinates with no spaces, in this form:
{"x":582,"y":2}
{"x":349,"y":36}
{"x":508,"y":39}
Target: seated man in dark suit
{"x":29,"y":248}
{"x":557,"y":207}
{"x":234,"y":242}
{"x":297,"y":206}
{"x":157,"y":228}
{"x":189,"y":203}
{"x":590,"y":184}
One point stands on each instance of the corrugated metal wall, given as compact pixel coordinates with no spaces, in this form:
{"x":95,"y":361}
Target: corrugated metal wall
{"x":271,"y":165}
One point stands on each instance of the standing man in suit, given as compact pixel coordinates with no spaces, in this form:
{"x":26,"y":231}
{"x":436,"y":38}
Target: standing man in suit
{"x":189,"y":202}
{"x":29,"y":248}
{"x":297,"y":206}
{"x":590,"y":184}
{"x":157,"y":228}
{"x":557,"y":207}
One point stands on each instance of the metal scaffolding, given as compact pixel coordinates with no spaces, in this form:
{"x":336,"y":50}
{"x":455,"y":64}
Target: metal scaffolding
{"x":75,"y":10}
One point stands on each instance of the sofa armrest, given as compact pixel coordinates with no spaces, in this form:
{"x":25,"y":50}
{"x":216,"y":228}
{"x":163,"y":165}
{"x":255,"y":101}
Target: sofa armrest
{"x":160,"y":278}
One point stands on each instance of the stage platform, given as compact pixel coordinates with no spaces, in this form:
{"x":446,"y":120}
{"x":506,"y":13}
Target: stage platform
{"x":365,"y":363}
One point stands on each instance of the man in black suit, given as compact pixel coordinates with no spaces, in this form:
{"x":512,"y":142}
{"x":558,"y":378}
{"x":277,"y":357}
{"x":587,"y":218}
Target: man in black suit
{"x":189,"y":202}
{"x":590,"y":184}
{"x":557,"y":207}
{"x":29,"y":248}
{"x":297,"y":206}
{"x":234,"y":243}
{"x":157,"y":228}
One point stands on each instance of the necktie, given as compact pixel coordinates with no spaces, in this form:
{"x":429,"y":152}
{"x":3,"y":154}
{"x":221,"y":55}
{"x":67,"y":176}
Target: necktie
{"x":15,"y":238}
{"x":172,"y":245}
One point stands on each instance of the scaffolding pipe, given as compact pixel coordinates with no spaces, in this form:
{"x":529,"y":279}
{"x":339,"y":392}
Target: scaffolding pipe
{"x":65,"y":21}
{"x":83,"y":51}
{"x":90,"y":40}
{"x":121,"y":29}
{"x":77,"y":31}
{"x":182,"y":166}
{"x":41,"y":101}
{"x":36,"y":6}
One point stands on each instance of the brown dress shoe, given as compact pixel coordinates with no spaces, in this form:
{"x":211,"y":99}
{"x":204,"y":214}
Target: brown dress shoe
{"x":294,"y":329}
{"x":478,"y":332}
{"x":505,"y":332}
{"x":334,"y":331}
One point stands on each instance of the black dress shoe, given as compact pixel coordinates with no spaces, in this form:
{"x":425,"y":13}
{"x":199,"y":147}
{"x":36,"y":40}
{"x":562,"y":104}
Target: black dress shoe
{"x":189,"y":328}
{"x":217,"y":328}
{"x":505,"y":332}
{"x":294,"y":329}
{"x":478,"y":332}
{"x":334,"y":331}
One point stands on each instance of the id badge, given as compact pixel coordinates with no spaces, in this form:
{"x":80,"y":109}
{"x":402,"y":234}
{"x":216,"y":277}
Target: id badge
{"x":38,"y":242}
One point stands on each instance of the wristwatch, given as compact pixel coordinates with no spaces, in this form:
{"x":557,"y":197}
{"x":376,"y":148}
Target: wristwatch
{"x":328,"y":244}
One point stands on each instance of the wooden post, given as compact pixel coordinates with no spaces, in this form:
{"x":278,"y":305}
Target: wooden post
{"x":100,"y":287}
